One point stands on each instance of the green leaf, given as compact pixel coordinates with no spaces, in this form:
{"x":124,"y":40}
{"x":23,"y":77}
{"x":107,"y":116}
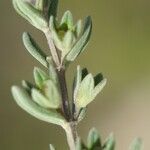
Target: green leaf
{"x":53,"y":8}
{"x":67,"y":19}
{"x":40,"y":99}
{"x":15,"y":4}
{"x":77,"y":81}
{"x":93,"y":140}
{"x":136,"y":145}
{"x":34,"y":49}
{"x":99,"y":88}
{"x":30,"y":13}
{"x":39,"y":4}
{"x":52,"y":93}
{"x":39,"y":76}
{"x":78,"y":28}
{"x":80,"y":145}
{"x":81,"y":44}
{"x":55,"y":36}
{"x":82,"y":114}
{"x":52,"y":70}
{"x":51,"y":147}
{"x":84,"y":93}
{"x":68,"y":41}
{"x":25,"y":102}
{"x":110,"y":143}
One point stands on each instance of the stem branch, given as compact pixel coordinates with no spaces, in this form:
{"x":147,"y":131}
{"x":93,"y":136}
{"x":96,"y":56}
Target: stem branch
{"x":52,"y":47}
{"x":70,"y":127}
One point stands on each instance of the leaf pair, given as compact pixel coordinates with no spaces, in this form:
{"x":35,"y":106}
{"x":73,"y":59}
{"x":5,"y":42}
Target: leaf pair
{"x":65,"y":33}
{"x":41,"y":99}
{"x":86,"y":87}
{"x":48,"y":96}
{"x":67,"y":37}
{"x":136,"y":145}
{"x":30,"y":13}
{"x":82,"y":42}
{"x":38,"y":13}
{"x":25,"y":101}
{"x":110,"y":143}
{"x":94,"y":142}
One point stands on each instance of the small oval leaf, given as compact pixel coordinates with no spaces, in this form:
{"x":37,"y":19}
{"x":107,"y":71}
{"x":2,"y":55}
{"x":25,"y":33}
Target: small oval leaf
{"x":25,"y":102}
{"x":84,"y":93}
{"x":34,"y":49}
{"x":35,"y":17}
{"x":40,"y":99}
{"x":93,"y":140}
{"x":82,"y":42}
{"x":52,"y":93}
{"x":39,"y":76}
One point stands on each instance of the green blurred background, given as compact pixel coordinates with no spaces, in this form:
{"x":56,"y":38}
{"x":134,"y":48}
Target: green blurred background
{"x":119,"y":48}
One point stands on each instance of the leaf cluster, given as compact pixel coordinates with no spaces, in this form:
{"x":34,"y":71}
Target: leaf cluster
{"x":94,"y":142}
{"x":47,"y":98}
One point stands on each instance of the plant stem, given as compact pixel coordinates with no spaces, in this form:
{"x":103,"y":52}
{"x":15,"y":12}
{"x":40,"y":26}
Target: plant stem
{"x":52,"y":47}
{"x":70,"y":127}
{"x":64,"y":93}
{"x":71,"y":134}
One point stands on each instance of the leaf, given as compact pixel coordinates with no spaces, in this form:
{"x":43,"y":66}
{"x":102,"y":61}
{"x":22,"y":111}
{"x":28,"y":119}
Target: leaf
{"x":51,"y":147}
{"x":67,"y":19}
{"x":84,"y":93}
{"x":53,"y":8}
{"x":39,"y":4}
{"x":82,"y":113}
{"x":15,"y":4}
{"x":77,"y":81}
{"x":39,"y":76}
{"x":34,"y":49}
{"x":28,"y":11}
{"x":136,"y":145}
{"x":25,"y":102}
{"x":99,"y":88}
{"x":55,"y":36}
{"x":78,"y":28}
{"x":82,"y":42}
{"x":52,"y":70}
{"x":40,"y":99}
{"x":52,"y":93}
{"x":68,"y":41}
{"x":110,"y":143}
{"x":93,"y":140}
{"x":80,"y":145}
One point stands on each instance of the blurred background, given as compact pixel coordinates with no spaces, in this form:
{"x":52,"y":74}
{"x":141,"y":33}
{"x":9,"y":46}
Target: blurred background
{"x":119,"y":48}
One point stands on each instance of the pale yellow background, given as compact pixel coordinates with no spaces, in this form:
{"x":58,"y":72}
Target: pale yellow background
{"x":119,"y":47}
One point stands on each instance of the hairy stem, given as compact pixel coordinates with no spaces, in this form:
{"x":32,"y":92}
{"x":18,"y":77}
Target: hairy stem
{"x":70,"y":127}
{"x":71,"y":134}
{"x":64,"y":93}
{"x":52,"y":47}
